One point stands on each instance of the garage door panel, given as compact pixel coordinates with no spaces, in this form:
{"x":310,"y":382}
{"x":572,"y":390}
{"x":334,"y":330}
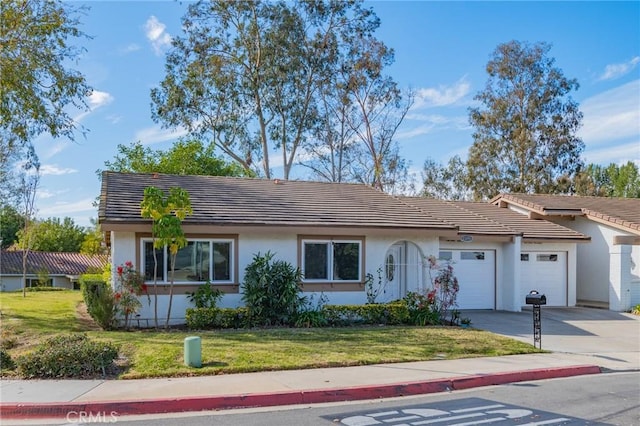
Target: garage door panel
{"x":475,"y":270}
{"x":545,"y":272}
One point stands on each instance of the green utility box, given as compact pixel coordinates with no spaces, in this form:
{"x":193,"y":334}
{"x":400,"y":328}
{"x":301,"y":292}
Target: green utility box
{"x":193,"y":351}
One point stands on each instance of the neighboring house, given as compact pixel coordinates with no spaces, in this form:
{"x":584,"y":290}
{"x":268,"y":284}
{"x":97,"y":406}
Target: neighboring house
{"x":608,"y":269}
{"x":58,"y":269}
{"x":336,"y":234}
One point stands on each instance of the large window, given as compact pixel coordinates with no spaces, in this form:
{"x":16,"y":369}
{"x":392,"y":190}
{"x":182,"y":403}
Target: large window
{"x":331,"y":260}
{"x":199,"y":261}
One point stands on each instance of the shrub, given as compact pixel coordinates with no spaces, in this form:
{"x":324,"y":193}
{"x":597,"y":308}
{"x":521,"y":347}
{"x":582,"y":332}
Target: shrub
{"x":271,"y":291}
{"x":206,"y":296}
{"x":446,"y":286}
{"x":311,"y":315}
{"x":99,"y":299}
{"x":394,"y":313}
{"x":210,"y":318}
{"x":422,"y":308}
{"x":68,"y":356}
{"x":636,"y":310}
{"x":6,"y":363}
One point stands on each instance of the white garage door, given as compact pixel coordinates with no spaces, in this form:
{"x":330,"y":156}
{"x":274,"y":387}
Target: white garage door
{"x":547,"y":273}
{"x":476,"y":273}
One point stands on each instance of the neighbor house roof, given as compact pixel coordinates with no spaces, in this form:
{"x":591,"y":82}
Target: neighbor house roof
{"x":218,"y":200}
{"x":478,"y":218}
{"x":53,"y":263}
{"x":621,"y":213}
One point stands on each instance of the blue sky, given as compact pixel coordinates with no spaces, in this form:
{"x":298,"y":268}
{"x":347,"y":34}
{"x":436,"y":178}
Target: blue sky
{"x":441,"y":52}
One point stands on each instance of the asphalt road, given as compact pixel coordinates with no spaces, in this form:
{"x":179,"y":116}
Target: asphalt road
{"x":604,"y":399}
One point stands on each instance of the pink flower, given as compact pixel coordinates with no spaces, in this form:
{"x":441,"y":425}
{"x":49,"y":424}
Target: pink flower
{"x":128,"y":264}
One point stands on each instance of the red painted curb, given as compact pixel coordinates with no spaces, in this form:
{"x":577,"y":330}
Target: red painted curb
{"x":105,"y":410}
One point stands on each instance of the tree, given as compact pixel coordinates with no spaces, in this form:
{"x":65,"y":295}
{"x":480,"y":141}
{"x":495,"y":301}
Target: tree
{"x":183,"y":158}
{"x":37,"y":86}
{"x":609,"y":181}
{"x":445,"y":182}
{"x":525,"y":129}
{"x":378,"y":108}
{"x":167,"y":213}
{"x":93,"y":242}
{"x":29,"y":181}
{"x":11,"y":221}
{"x":53,"y":235}
{"x":246,"y":75}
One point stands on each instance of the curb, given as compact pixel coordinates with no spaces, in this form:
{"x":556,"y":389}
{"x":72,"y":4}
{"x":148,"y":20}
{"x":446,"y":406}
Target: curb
{"x":113,"y":409}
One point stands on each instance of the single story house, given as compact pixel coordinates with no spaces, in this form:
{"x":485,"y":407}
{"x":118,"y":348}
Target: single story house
{"x":608,"y":269}
{"x":58,"y":269}
{"x":337,"y":234}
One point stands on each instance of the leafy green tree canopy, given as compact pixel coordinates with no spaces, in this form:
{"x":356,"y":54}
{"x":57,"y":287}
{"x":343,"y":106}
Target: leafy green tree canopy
{"x":246,"y":74}
{"x":525,"y":128}
{"x":183,"y":158}
{"x":53,"y":235}
{"x":11,"y":221}
{"x":610,"y":181}
{"x":37,"y":86}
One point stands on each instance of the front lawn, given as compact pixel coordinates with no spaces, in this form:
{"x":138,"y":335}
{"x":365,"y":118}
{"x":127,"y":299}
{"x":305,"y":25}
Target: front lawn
{"x":26,"y":321}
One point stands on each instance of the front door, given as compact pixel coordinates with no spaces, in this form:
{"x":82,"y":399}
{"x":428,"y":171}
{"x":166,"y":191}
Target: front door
{"x":393,"y":273}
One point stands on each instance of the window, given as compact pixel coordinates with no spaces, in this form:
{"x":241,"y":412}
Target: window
{"x":199,"y":261}
{"x":472,"y":255}
{"x":331,"y":260}
{"x":547,"y":258}
{"x":35,"y":282}
{"x":524,"y":257}
{"x":445,"y":255}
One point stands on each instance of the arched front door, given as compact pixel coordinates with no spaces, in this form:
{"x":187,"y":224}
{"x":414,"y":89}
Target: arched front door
{"x":403,"y":270}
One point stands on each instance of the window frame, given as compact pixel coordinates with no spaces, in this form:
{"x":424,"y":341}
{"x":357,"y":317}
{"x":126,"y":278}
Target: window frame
{"x":165,"y":278}
{"x":330,"y":241}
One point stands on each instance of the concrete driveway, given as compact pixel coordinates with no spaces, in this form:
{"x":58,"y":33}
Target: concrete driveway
{"x":609,"y":339}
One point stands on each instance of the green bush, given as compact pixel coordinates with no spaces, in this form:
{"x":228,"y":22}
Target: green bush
{"x":100,"y":301}
{"x":212,"y":318}
{"x":271,"y":291}
{"x":636,"y":310}
{"x":68,"y":356}
{"x":6,"y":363}
{"x":206,"y":296}
{"x":394,"y":313}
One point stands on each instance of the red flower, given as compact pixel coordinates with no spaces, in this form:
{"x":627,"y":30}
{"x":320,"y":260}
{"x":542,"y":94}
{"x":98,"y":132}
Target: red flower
{"x":143,"y":287}
{"x":120,"y":270}
{"x":117,"y":296}
{"x":128,"y":264}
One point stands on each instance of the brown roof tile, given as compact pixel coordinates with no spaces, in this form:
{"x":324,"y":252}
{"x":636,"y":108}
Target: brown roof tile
{"x":623,"y":213}
{"x":476,"y":218}
{"x":54,"y":263}
{"x":239,"y":201}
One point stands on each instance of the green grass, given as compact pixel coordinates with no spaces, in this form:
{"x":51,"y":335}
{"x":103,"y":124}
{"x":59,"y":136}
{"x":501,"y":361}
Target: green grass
{"x":26,"y":321}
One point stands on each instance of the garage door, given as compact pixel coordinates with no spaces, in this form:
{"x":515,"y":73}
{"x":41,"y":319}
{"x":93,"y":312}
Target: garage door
{"x":476,"y":273}
{"x":547,"y":273}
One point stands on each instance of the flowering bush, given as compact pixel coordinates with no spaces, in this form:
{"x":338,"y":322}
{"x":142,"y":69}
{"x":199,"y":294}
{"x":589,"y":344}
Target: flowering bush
{"x":446,"y":288}
{"x":130,"y":286}
{"x":422,"y":308}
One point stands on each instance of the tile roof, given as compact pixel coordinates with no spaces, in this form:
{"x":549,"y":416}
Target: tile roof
{"x":218,"y":200}
{"x":54,"y":263}
{"x":622,"y":213}
{"x":479,"y":218}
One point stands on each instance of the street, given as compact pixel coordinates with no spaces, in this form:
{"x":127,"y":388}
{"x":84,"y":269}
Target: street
{"x":604,"y":399}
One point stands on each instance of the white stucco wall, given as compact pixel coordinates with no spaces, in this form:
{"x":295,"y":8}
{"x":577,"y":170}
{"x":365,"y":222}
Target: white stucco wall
{"x":601,"y":275}
{"x":13,"y":283}
{"x":285,"y":247}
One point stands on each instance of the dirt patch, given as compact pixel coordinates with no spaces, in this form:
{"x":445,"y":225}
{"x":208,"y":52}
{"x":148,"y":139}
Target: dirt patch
{"x":86,"y":322}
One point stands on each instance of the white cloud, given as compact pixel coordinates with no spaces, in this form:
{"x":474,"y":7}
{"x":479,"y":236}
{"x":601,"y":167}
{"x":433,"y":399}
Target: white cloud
{"x":612,"y":115}
{"x":619,"y":154}
{"x":98,"y":99}
{"x":156,"y":34}
{"x":133,"y":47}
{"x":54,"y":170}
{"x":442,"y":95}
{"x":44,"y":194}
{"x":614,"y":71}
{"x":63,"y":209}
{"x":156,"y":134}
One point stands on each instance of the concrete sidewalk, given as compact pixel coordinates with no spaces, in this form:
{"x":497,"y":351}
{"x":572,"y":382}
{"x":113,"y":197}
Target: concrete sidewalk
{"x":33,"y":399}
